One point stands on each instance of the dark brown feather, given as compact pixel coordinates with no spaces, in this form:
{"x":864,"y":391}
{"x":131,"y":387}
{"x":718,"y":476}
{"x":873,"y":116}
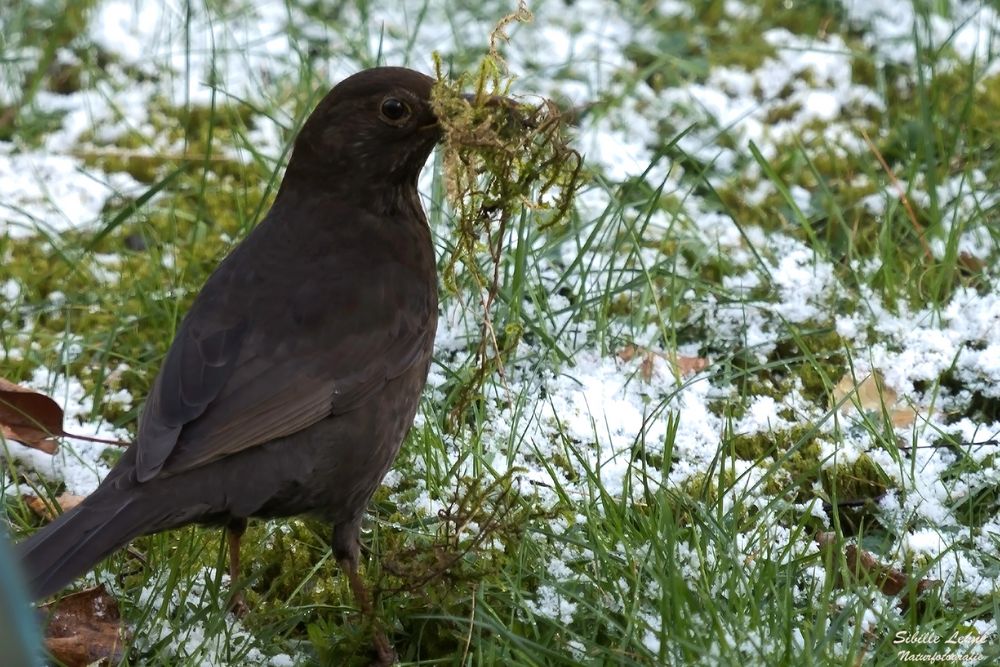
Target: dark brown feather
{"x":263,"y":353}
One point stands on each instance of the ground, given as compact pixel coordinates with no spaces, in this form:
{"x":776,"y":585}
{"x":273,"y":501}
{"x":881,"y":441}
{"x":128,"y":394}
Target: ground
{"x":765,"y":348}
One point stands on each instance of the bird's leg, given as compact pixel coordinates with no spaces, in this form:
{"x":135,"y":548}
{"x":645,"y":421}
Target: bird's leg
{"x":234,"y":532}
{"x":346,"y":548}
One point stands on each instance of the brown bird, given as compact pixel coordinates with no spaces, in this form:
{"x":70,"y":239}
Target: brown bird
{"x":296,"y":374}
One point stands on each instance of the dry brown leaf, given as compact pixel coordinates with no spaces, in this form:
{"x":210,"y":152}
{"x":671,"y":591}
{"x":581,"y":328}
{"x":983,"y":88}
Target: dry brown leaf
{"x":29,"y":417}
{"x":684,"y":366}
{"x":690,"y":365}
{"x":46,"y":509}
{"x":872,"y":395}
{"x":871,"y":391}
{"x":861,"y":563}
{"x":84,"y":628}
{"x":863,"y":566}
{"x":628,"y":352}
{"x":34,"y":419}
{"x":646,"y":365}
{"x":971,"y":263}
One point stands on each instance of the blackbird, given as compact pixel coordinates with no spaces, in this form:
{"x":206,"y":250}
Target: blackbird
{"x":295,"y":375}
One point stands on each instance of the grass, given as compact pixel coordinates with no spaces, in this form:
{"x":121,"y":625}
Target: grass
{"x":511,"y":531}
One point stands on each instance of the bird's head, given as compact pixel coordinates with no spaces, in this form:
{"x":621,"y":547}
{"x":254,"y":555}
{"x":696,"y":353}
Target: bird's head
{"x":375,"y":129}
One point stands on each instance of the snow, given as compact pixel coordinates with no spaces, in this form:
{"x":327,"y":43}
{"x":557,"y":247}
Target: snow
{"x":550,"y":602}
{"x":77,"y":463}
{"x":53,"y":193}
{"x":196,"y":644}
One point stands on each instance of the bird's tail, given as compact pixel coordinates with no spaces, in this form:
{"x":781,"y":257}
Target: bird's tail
{"x":82,"y":537}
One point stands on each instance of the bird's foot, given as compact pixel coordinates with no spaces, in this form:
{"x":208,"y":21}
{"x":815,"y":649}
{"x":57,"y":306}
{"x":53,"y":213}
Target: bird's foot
{"x":234,"y":533}
{"x":385,"y":656}
{"x":238,"y":605}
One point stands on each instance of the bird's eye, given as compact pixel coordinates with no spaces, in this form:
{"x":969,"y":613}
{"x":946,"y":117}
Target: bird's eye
{"x":394,"y":111}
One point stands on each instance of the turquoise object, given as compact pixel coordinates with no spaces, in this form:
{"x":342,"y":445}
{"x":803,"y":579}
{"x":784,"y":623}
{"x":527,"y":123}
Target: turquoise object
{"x":19,"y":636}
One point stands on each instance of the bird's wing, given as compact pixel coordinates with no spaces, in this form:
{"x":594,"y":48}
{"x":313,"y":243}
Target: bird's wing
{"x":240,"y":373}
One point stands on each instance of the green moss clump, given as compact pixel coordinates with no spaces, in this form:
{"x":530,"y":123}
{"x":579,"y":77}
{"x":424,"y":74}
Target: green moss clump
{"x":290,"y":560}
{"x":860,"y":480}
{"x":442,"y":562}
{"x":816,"y":357}
{"x":127,"y":159}
{"x":797,"y":448}
{"x":621,"y":305}
{"x":705,"y":488}
{"x":64,"y":78}
{"x":200,"y":130}
{"x":501,"y":158}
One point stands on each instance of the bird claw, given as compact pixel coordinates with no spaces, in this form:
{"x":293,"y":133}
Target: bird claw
{"x":238,"y":605}
{"x":385,"y":656}
{"x":384,"y":661}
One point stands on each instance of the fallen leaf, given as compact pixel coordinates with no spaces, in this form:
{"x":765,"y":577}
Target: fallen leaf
{"x":862,"y":563}
{"x":84,"y":628}
{"x":36,"y":420}
{"x":29,"y":417}
{"x":862,"y":566}
{"x":46,"y":509}
{"x":684,"y":366}
{"x":628,"y":352}
{"x":873,"y":396}
{"x":690,"y":365}
{"x":646,"y":366}
{"x":971,"y":263}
